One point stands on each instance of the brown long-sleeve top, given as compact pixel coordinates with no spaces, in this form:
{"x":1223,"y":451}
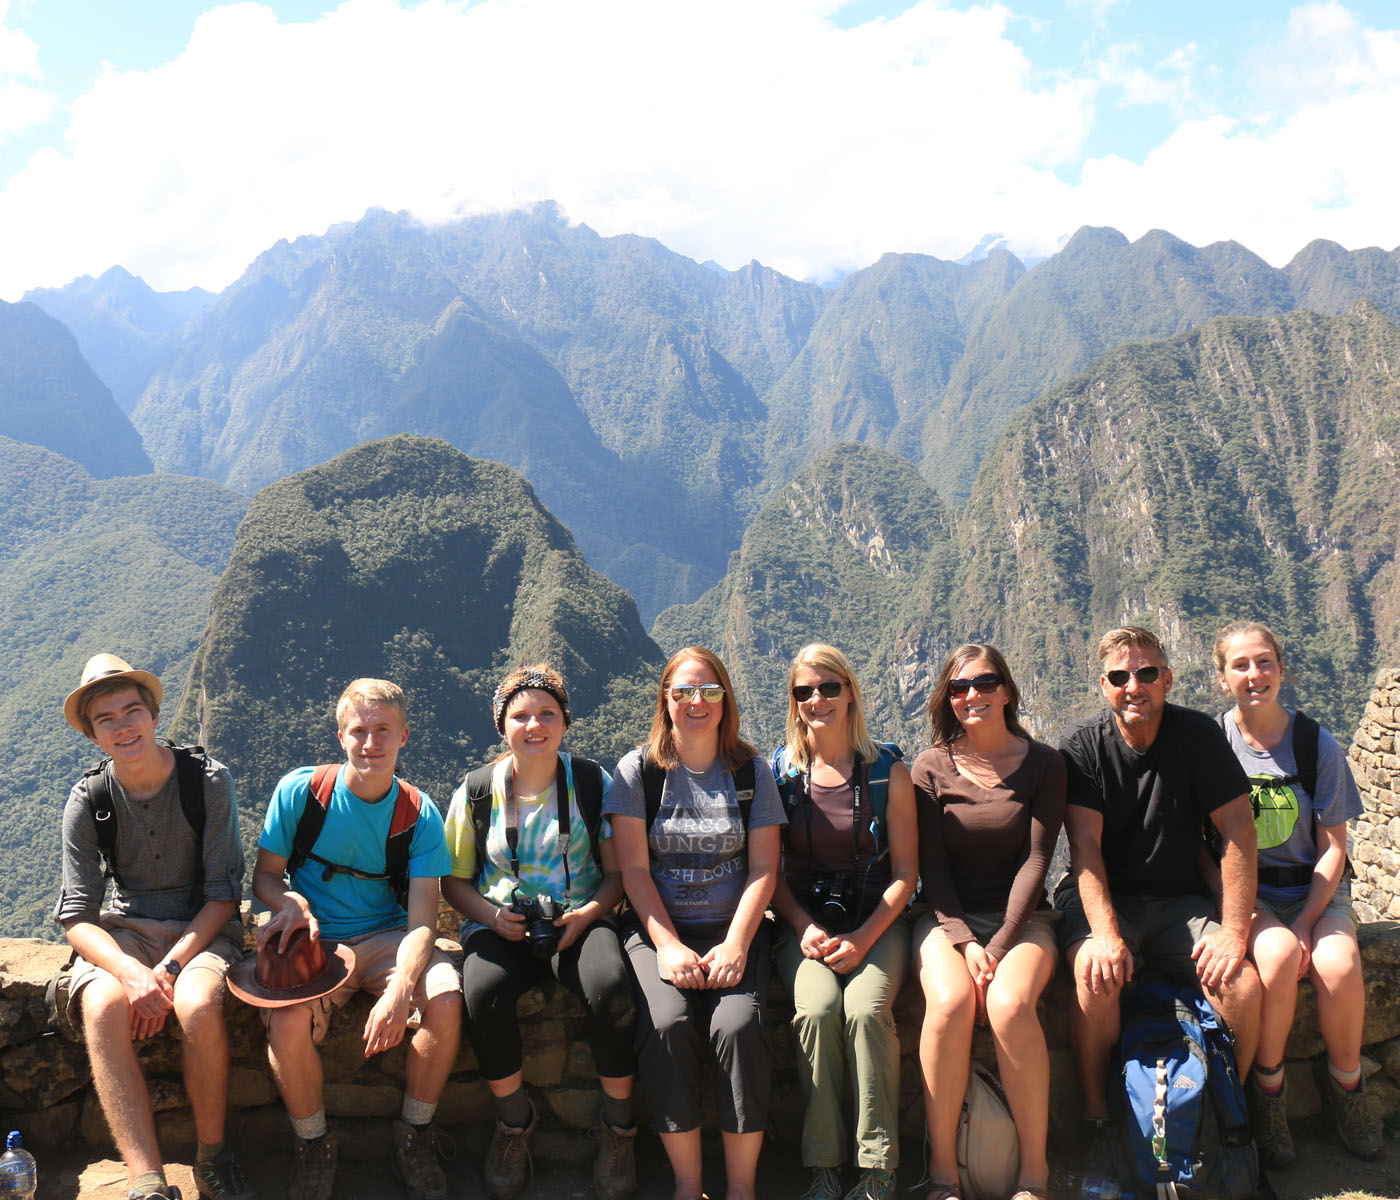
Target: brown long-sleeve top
{"x":986,"y":850}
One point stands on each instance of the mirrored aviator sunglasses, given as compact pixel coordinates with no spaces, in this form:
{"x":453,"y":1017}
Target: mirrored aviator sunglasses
{"x":983,"y":683}
{"x":1143,"y":675}
{"x":828,"y":690}
{"x":710,"y":693}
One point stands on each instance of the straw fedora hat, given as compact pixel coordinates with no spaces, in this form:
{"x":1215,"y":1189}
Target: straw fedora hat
{"x":307,"y":969}
{"x":98,"y":669}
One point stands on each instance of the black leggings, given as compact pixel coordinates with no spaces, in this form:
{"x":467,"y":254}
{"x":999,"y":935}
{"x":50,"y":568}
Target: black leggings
{"x":496,"y":973}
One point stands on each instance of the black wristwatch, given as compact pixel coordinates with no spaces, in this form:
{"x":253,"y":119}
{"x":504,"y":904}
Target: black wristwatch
{"x":172,"y":967}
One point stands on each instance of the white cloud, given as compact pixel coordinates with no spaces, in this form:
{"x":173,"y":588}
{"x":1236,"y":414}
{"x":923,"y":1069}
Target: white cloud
{"x":727,"y":129}
{"x":23,"y":103}
{"x":1170,"y":81}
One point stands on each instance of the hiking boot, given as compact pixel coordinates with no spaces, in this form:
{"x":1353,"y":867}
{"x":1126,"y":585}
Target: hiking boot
{"x":615,"y":1168}
{"x":1355,"y":1119}
{"x":166,"y":1191}
{"x":825,"y":1185}
{"x":1096,"y":1146}
{"x":416,"y":1163}
{"x":313,"y":1167}
{"x":507,"y":1162}
{"x":873,"y":1183}
{"x":221,"y":1178}
{"x":1268,"y":1116}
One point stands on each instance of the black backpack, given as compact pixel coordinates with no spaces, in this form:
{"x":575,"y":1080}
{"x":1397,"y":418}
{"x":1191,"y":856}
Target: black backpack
{"x":397,"y":842}
{"x":190,"y":762}
{"x":588,"y":791}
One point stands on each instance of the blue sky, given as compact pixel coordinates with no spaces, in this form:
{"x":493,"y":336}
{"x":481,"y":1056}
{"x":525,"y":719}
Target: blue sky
{"x":180,"y":139}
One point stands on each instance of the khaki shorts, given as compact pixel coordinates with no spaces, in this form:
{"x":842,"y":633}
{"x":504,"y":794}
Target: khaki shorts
{"x":1339,"y":906}
{"x":1039,"y":930}
{"x":149,"y":942}
{"x":376,"y":955}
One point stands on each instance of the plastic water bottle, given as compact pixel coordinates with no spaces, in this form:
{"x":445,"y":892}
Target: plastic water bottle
{"x":1100,"y":1187}
{"x":19,"y":1174}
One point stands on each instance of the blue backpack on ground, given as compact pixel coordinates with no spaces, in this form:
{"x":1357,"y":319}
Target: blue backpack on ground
{"x":1183,"y":1124}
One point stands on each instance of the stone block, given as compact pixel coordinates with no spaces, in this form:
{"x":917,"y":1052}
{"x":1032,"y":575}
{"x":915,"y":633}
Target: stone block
{"x":92,"y":1125}
{"x":363,"y":1100}
{"x":44,"y":1071}
{"x":466,"y":1102}
{"x":52,"y":1126}
{"x":167,"y":1095}
{"x":578,"y":1061}
{"x":575,"y":1107}
{"x":248,"y":1088}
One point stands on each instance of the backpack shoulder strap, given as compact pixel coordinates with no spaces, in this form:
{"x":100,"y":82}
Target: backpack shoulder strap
{"x":745,"y":777}
{"x":190,"y":762}
{"x":653,"y":783}
{"x":1305,"y":739}
{"x":786,"y":777}
{"x":104,"y":817}
{"x":408,"y":804}
{"x":878,"y":781}
{"x":313,"y":814}
{"x":588,"y":790}
{"x":478,"y":785}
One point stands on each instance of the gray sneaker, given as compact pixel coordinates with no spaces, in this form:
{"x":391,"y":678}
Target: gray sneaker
{"x":416,"y":1164}
{"x":313,"y":1167}
{"x":825,"y":1185}
{"x":221,"y":1178}
{"x":1268,"y":1117}
{"x":1355,"y":1119}
{"x":507,"y":1165}
{"x":873,"y":1183}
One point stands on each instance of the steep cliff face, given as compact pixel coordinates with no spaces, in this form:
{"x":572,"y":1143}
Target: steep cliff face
{"x":856,"y":551}
{"x":1247,"y":469}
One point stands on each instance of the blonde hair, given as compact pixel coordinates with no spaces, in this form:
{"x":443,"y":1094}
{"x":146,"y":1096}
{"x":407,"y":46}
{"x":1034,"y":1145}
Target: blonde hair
{"x":370,"y":691}
{"x":830,"y":659}
{"x":1136,"y":636}
{"x":660,"y":745}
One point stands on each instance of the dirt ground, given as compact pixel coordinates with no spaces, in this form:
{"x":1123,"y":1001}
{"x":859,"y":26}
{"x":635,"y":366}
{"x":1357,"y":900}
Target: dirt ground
{"x":562,"y":1161}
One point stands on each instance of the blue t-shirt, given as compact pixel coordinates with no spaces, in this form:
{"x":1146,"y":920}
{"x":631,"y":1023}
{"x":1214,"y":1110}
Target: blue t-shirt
{"x":353,"y":836}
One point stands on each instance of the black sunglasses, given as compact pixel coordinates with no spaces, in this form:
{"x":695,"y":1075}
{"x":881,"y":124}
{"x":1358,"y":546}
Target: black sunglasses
{"x":830,"y":689}
{"x":983,"y":683}
{"x":1142,"y":675}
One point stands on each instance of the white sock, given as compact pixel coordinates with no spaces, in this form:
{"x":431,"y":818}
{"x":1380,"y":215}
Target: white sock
{"x":417,"y":1112}
{"x":312,"y":1127}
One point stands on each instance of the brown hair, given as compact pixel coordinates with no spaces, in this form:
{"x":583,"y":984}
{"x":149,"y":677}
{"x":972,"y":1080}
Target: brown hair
{"x":370,"y":691}
{"x":946,"y":727}
{"x":1125,"y":636}
{"x":660,"y":745}
{"x":106,"y":687}
{"x":1239,"y":628}
{"x":826,"y":658}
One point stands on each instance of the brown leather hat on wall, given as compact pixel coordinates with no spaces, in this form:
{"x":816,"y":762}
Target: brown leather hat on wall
{"x":303,"y":971}
{"x":99,"y":669}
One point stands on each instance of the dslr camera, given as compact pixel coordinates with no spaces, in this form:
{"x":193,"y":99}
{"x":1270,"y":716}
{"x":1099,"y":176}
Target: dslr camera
{"x":832,"y":901}
{"x":541,"y":934}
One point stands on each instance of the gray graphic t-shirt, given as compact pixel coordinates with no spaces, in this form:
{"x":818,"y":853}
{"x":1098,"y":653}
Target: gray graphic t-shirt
{"x":699,"y":855}
{"x":1284,"y":811}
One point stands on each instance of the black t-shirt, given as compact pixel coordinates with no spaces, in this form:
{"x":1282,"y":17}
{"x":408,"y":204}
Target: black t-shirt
{"x":1157,"y":804}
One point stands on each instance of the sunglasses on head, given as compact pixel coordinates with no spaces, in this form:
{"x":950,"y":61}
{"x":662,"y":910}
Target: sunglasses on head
{"x":983,"y":683}
{"x":1142,"y":675}
{"x":829,"y":689}
{"x":710,"y":693}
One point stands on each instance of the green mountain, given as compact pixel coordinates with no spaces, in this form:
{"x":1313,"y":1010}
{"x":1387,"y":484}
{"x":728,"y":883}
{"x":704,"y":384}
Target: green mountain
{"x":405,"y":559}
{"x":50,"y":397}
{"x":1247,"y":469}
{"x":126,"y":565}
{"x":858,"y":551}
{"x":121,"y":323}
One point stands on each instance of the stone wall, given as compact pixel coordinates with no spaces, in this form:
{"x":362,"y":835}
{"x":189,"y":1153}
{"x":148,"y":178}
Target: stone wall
{"x":1375,"y":761}
{"x":45,"y":1084}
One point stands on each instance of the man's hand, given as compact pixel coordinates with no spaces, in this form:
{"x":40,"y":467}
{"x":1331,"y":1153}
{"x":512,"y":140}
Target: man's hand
{"x":1106,"y":964}
{"x":384,"y":1028}
{"x":1218,"y":956}
{"x":292,"y":914}
{"x":151,"y":997}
